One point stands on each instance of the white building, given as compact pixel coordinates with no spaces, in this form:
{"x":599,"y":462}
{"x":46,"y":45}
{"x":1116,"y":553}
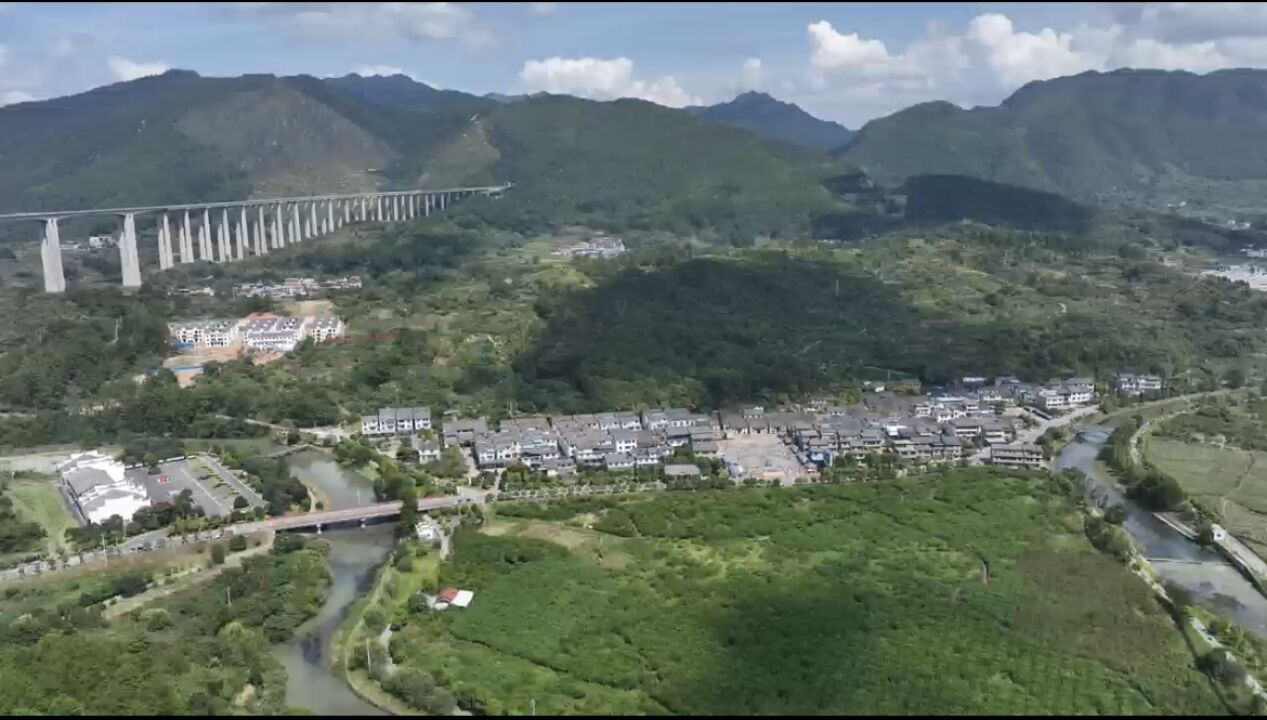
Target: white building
{"x":1065,"y":396}
{"x":396,"y":421}
{"x":1132,"y":384}
{"x":273,"y":333}
{"x":100,"y":488}
{"x":325,"y":328}
{"x":204,"y":333}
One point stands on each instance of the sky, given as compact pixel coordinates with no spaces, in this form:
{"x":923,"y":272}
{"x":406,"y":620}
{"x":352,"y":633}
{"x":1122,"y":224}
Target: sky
{"x":848,"y":62}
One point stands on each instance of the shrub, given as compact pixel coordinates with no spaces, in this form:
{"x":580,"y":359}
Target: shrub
{"x":217,"y":554}
{"x":237,"y":543}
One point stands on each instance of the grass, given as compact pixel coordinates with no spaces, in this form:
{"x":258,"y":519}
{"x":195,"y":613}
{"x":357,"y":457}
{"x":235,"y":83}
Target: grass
{"x":844,"y":600}
{"x":1229,"y":480}
{"x":40,"y":501}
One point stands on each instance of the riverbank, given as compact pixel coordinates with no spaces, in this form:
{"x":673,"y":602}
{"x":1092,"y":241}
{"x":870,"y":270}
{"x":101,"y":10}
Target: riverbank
{"x":349,"y":637}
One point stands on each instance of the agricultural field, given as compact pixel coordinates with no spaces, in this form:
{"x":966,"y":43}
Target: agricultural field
{"x":1228,"y":480}
{"x":959,"y":593}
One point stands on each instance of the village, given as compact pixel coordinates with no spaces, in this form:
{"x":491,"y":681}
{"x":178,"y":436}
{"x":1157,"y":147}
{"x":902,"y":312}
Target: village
{"x":1000,"y":423}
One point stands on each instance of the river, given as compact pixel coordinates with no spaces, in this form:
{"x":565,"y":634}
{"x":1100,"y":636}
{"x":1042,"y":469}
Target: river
{"x":355,"y":554}
{"x":1215,"y":584}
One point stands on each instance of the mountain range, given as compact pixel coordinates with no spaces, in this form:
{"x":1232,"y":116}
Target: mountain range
{"x":775,"y":120}
{"x":180,"y":137}
{"x":749,"y":166}
{"x":1124,"y":138}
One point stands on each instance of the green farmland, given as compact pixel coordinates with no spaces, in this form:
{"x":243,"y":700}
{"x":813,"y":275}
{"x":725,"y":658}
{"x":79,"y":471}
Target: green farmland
{"x":961,"y":593}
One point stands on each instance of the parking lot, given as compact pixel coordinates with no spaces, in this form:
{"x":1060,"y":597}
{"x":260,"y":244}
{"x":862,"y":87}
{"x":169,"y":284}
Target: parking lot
{"x":762,"y":456}
{"x":213,"y":486}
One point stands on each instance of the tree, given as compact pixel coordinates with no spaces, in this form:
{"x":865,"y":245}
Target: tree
{"x":240,"y":503}
{"x":1115,"y":514}
{"x":237,"y":543}
{"x":217,"y":554}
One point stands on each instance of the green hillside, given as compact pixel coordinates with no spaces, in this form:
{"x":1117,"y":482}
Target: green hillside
{"x":401,"y":91}
{"x":627,"y":164}
{"x":631,"y":164}
{"x":776,"y":120}
{"x":1126,"y":137}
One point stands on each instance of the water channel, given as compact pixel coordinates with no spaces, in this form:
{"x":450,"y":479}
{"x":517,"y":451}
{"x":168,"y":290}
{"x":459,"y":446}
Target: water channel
{"x":355,"y":554}
{"x":1214,"y":583}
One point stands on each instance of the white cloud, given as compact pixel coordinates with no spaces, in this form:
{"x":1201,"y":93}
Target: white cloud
{"x":374,"y":21}
{"x":750,"y":75}
{"x":382,"y":70}
{"x":12,"y":97}
{"x":16,"y":84}
{"x":854,"y":78}
{"x":542,"y":8}
{"x":601,"y":79}
{"x":125,"y":69}
{"x":834,"y":51}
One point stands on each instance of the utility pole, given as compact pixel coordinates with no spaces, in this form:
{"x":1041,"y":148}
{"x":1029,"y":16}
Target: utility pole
{"x":534,"y":707}
{"x":228,"y":593}
{"x":368,"y":668}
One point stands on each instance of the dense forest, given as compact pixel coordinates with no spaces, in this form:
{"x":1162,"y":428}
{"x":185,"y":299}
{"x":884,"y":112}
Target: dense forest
{"x":190,"y":654}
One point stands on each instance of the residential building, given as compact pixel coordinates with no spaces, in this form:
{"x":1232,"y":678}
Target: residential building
{"x":1018,"y":455}
{"x":325,"y":328}
{"x":272,"y":333}
{"x":396,"y":421}
{"x":618,"y":461}
{"x":100,"y":488}
{"x":1132,"y":384}
{"x":1065,"y":396}
{"x":203,"y":333}
{"x":459,"y":431}
{"x":428,"y":450}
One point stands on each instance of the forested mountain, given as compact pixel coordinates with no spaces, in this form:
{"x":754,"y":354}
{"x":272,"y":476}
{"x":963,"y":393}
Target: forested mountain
{"x":404,"y":92}
{"x":1121,"y":138}
{"x":181,"y":137}
{"x":631,"y":164}
{"x":776,"y":120}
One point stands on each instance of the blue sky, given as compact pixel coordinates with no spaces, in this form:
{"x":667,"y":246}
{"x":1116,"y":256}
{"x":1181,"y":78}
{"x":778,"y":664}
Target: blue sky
{"x":846,"y":62}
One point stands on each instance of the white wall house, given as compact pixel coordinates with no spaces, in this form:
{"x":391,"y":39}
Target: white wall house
{"x":100,"y":488}
{"x":396,"y":421}
{"x":204,"y":333}
{"x":273,"y":334}
{"x":325,"y":328}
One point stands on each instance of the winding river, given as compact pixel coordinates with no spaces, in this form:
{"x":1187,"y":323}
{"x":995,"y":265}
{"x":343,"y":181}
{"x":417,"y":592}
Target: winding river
{"x":355,"y":554}
{"x":1215,"y":584}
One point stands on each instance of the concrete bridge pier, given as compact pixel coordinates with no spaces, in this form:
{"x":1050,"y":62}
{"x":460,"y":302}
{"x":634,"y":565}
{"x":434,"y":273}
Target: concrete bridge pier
{"x":166,"y":258}
{"x":51,"y":255}
{"x":129,"y":262}
{"x":311,"y":226}
{"x":241,"y":238}
{"x":278,"y":226}
{"x":318,"y":528}
{"x":226,"y":250}
{"x":294,"y":223}
{"x":329,"y":216}
{"x":426,"y":205}
{"x":378,"y":199}
{"x":261,"y":242}
{"x":186,"y":241}
{"x":204,"y":237}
